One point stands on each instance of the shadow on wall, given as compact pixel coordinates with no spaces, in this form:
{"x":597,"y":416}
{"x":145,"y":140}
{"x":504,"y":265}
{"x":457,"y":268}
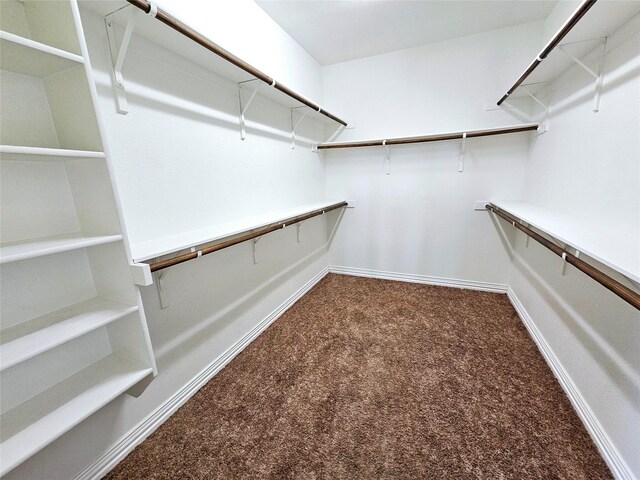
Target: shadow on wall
{"x":545,"y":277}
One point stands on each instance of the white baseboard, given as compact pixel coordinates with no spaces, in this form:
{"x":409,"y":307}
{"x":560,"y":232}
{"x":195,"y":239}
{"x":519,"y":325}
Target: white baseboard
{"x":156,"y":418}
{"x":413,"y":278}
{"x":612,"y":457}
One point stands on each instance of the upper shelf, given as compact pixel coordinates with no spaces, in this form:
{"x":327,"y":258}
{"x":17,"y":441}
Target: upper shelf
{"x":23,"y":55}
{"x":173,"y":243}
{"x":16,"y":152}
{"x":15,"y":251}
{"x":580,"y":34}
{"x":171,"y":33}
{"x":617,"y":251}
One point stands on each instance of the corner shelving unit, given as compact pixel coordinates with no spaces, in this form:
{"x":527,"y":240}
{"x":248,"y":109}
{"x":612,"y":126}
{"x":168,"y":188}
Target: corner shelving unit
{"x":73,"y":334}
{"x":583,"y":32}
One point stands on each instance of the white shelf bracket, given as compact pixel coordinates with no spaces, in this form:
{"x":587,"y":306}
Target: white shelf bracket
{"x":254,"y":244}
{"x":539,"y":102}
{"x":117,"y":59}
{"x":298,"y":225}
{"x":596,"y":75}
{"x":163,"y":294}
{"x":463,"y":151}
{"x":335,"y":133}
{"x":387,"y":157}
{"x":245,"y":107}
{"x":295,"y":125}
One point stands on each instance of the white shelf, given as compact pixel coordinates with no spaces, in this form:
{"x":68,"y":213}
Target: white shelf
{"x":34,"y":424}
{"x":22,"y":55}
{"x":173,"y":41}
{"x":619,"y":251}
{"x":16,"y":152}
{"x":604,"y":18}
{"x":12,"y":252}
{"x":173,"y":243}
{"x":29,"y":339}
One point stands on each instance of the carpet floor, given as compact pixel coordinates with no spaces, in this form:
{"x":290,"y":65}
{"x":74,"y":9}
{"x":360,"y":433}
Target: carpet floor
{"x":373,"y":379}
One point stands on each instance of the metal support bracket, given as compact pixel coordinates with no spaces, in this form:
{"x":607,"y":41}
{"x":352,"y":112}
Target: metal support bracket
{"x":387,"y":157}
{"x":254,"y":244}
{"x":298,"y":225}
{"x":463,"y":151}
{"x":596,"y":75}
{"x":118,"y":55}
{"x":539,"y":102}
{"x":245,"y":107}
{"x":163,"y":294}
{"x":295,"y":125}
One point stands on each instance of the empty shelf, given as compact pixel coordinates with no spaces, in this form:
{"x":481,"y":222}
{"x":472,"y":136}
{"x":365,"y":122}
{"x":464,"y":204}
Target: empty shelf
{"x":34,"y":424}
{"x":14,"y":251}
{"x":26,"y":340}
{"x":16,"y":152}
{"x":617,"y":250}
{"x":173,"y":243}
{"x":22,"y":55}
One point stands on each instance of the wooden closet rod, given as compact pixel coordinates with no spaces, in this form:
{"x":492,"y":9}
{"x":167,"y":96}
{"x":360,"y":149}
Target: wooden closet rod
{"x":429,"y":138}
{"x":602,"y":278}
{"x":188,"y":32}
{"x":553,"y":43}
{"x":155,"y":266}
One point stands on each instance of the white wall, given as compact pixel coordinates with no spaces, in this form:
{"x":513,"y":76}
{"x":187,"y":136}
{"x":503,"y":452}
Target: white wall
{"x":420,"y":219}
{"x":588,"y":165}
{"x":180,"y":165}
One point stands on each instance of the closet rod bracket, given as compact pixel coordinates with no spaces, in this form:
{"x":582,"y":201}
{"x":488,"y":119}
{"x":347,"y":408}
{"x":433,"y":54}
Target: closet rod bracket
{"x":118,"y":56}
{"x":141,"y":273}
{"x":295,"y":124}
{"x":245,"y":106}
{"x":387,"y":157}
{"x":463,"y":152}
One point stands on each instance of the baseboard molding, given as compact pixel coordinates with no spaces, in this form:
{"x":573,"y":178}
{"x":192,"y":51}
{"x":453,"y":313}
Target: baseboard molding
{"x":413,"y":278}
{"x":612,"y":457}
{"x":156,"y":418}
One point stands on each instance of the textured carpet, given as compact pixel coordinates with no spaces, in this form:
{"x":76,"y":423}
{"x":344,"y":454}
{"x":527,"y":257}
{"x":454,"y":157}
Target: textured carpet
{"x":372,"y":379}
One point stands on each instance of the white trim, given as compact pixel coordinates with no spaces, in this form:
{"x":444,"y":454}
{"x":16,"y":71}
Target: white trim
{"x":612,"y":457}
{"x":156,"y":418}
{"x":414,"y":278}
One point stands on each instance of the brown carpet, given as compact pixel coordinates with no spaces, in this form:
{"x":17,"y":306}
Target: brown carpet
{"x":372,"y":379}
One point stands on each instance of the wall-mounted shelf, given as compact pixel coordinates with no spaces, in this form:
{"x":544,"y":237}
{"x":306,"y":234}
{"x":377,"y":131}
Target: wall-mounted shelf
{"x":617,"y":250}
{"x":16,"y":251}
{"x":144,"y":251}
{"x":439,"y":137}
{"x":29,"y":339}
{"x":23,"y":55}
{"x":16,"y":152}
{"x":583,"y":31}
{"x":171,"y":33}
{"x":32,"y":425}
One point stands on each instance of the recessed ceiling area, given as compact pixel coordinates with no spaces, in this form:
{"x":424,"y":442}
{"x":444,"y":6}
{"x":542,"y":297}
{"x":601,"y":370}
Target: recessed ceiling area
{"x":337,"y":31}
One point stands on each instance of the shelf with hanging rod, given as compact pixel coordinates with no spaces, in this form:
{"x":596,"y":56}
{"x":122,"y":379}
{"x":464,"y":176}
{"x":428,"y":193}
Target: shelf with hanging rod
{"x":585,"y":31}
{"x":575,"y":237}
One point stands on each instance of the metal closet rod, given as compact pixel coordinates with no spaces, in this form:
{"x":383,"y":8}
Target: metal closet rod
{"x":155,"y":266}
{"x":625,"y":293}
{"x":188,"y":32}
{"x":428,"y":138}
{"x":553,"y":43}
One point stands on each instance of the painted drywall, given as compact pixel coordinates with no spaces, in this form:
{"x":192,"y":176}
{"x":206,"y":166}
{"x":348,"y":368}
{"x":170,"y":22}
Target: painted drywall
{"x":587,"y":165}
{"x":180,"y":165}
{"x":420,"y":219}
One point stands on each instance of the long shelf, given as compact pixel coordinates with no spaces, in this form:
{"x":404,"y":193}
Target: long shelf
{"x":579,"y":35}
{"x":18,"y":152}
{"x":15,"y":251}
{"x":22,"y":55}
{"x":144,"y":251}
{"x":29,"y":339}
{"x":619,"y":251}
{"x":176,"y":36}
{"x":34,"y":424}
{"x":526,"y":127}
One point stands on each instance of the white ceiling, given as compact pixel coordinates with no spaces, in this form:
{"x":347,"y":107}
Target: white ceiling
{"x":335,"y":31}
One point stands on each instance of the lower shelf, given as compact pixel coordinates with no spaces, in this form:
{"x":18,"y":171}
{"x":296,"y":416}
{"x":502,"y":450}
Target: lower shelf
{"x":34,"y":424}
{"x":26,"y":340}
